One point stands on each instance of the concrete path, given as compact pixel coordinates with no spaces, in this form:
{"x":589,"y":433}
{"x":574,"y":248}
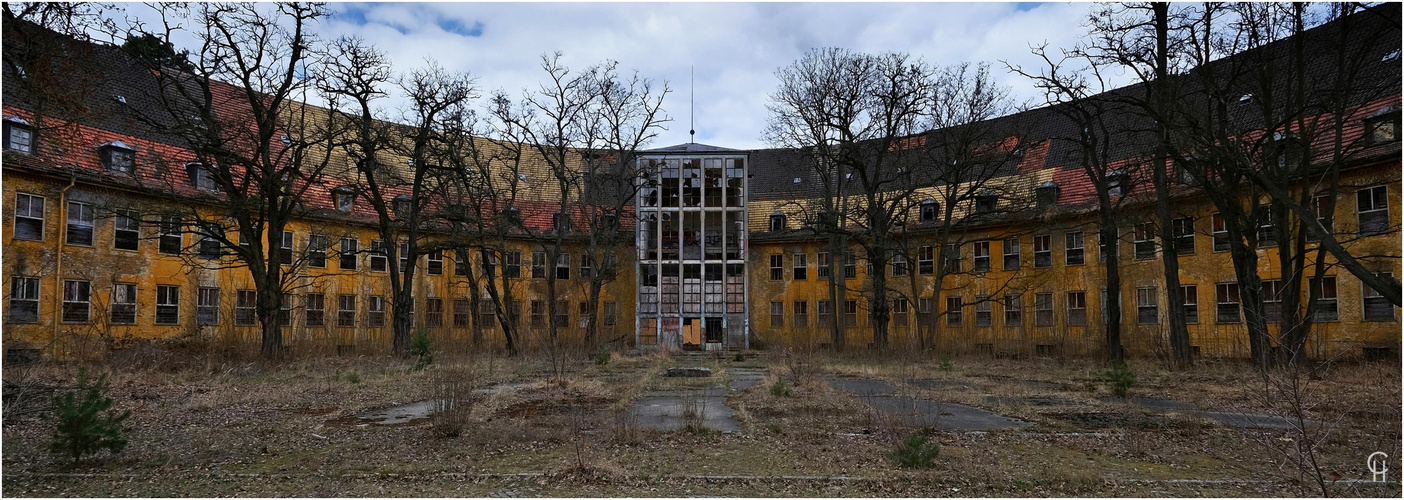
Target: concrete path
{"x":745,"y":378}
{"x":944,"y":416}
{"x":923,"y":413}
{"x":862,"y":386}
{"x":671,"y":411}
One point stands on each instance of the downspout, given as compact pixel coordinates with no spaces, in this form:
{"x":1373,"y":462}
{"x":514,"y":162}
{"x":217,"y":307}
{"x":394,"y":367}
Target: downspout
{"x":58,"y":265}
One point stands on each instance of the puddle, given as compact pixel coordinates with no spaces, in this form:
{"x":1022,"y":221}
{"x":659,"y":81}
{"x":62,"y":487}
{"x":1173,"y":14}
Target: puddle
{"x":399,"y":415}
{"x":862,"y":386}
{"x":945,"y":416}
{"x":668,"y":411}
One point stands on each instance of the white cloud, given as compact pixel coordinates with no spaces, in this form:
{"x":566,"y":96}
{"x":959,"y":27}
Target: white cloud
{"x":735,"y":47}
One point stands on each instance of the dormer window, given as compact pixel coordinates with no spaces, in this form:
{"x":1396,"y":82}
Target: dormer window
{"x":1382,"y":126}
{"x":986,"y":203}
{"x":561,"y":221}
{"x":344,"y":198}
{"x":201,"y":177}
{"x":1046,"y":194}
{"x":19,"y":135}
{"x":1116,"y":183}
{"x":118,"y":157}
{"x":511,"y":217}
{"x":402,"y":206}
{"x":928,"y":210}
{"x":777,"y":221}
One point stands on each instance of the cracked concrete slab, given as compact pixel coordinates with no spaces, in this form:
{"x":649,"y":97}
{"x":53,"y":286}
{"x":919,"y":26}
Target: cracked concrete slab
{"x":862,"y":386}
{"x":670,"y":411}
{"x":944,"y":416}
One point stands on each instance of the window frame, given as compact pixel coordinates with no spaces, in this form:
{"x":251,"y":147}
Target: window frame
{"x":1013,"y":310}
{"x":345,"y":317}
{"x":1367,"y":294}
{"x":777,"y":267}
{"x":563,"y":266}
{"x":953,"y":310}
{"x":1076,"y":302}
{"x":315,"y":309}
{"x":167,"y":304}
{"x":538,"y":265}
{"x":23,"y":289}
{"x":984,"y":311}
{"x":1043,"y":310}
{"x":131,"y":233}
{"x":207,"y":299}
{"x":800,"y":314}
{"x":171,"y":227}
{"x":1147,"y":302}
{"x":981,"y":261}
{"x":1014,"y":255}
{"x":434,"y":312}
{"x":378,"y":256}
{"x":375,"y":311}
{"x":1189,"y":294}
{"x":434,"y":266}
{"x":128,"y":309}
{"x":1043,"y":258}
{"x":1227,"y":295}
{"x":15,"y":125}
{"x":81,"y":293}
{"x":1379,"y":204}
{"x":799,"y":270}
{"x":80,"y":224}
{"x":1074,"y":251}
{"x":1334,"y":315}
{"x":1182,"y":228}
{"x":317,"y":246}
{"x":777,"y":314}
{"x":245,"y":308}
{"x":1143,"y":241}
{"x":28,"y":216}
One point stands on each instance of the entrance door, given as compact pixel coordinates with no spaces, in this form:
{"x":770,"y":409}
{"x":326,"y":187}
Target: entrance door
{"x":692,"y":333}
{"x":714,"y":330}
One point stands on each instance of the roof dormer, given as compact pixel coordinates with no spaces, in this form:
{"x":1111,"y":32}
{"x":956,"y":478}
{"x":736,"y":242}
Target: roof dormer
{"x":118,"y":157}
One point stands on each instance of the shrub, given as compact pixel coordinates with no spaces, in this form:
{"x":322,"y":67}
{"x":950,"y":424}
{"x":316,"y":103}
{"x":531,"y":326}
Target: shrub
{"x":421,"y":348}
{"x":915,"y":452}
{"x":1120,"y":380}
{"x":353,"y":377}
{"x":84,"y":422}
{"x":946,"y":363}
{"x":602,"y":356}
{"x":739,"y":357}
{"x":775,"y":428}
{"x":779,"y":389}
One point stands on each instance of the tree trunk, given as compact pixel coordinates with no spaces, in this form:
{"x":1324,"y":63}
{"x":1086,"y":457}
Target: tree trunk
{"x":1169,"y":256}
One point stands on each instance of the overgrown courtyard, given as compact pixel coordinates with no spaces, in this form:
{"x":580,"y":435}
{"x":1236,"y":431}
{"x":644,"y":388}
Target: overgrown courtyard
{"x":800,"y":425}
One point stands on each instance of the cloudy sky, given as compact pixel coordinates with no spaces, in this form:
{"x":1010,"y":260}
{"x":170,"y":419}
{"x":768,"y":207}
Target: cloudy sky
{"x":734,"y":47}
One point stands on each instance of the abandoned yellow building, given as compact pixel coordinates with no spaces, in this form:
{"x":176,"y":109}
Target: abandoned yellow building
{"x":722,"y":257}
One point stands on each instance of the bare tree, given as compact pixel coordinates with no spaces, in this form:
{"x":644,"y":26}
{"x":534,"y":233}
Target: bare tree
{"x":851,"y":110}
{"x":410,"y":198}
{"x":1078,"y":94}
{"x":232,"y":109}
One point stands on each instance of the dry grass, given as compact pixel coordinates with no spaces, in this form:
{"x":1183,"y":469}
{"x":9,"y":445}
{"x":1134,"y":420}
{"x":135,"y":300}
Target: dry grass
{"x":292,"y":424}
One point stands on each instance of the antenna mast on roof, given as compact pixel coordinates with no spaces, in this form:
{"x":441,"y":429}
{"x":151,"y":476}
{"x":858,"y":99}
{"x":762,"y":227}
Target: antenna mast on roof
{"x":692,"y":112}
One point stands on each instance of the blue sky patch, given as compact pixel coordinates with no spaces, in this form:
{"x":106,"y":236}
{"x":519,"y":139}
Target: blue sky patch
{"x":1026,"y":6}
{"x":458,"y":27}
